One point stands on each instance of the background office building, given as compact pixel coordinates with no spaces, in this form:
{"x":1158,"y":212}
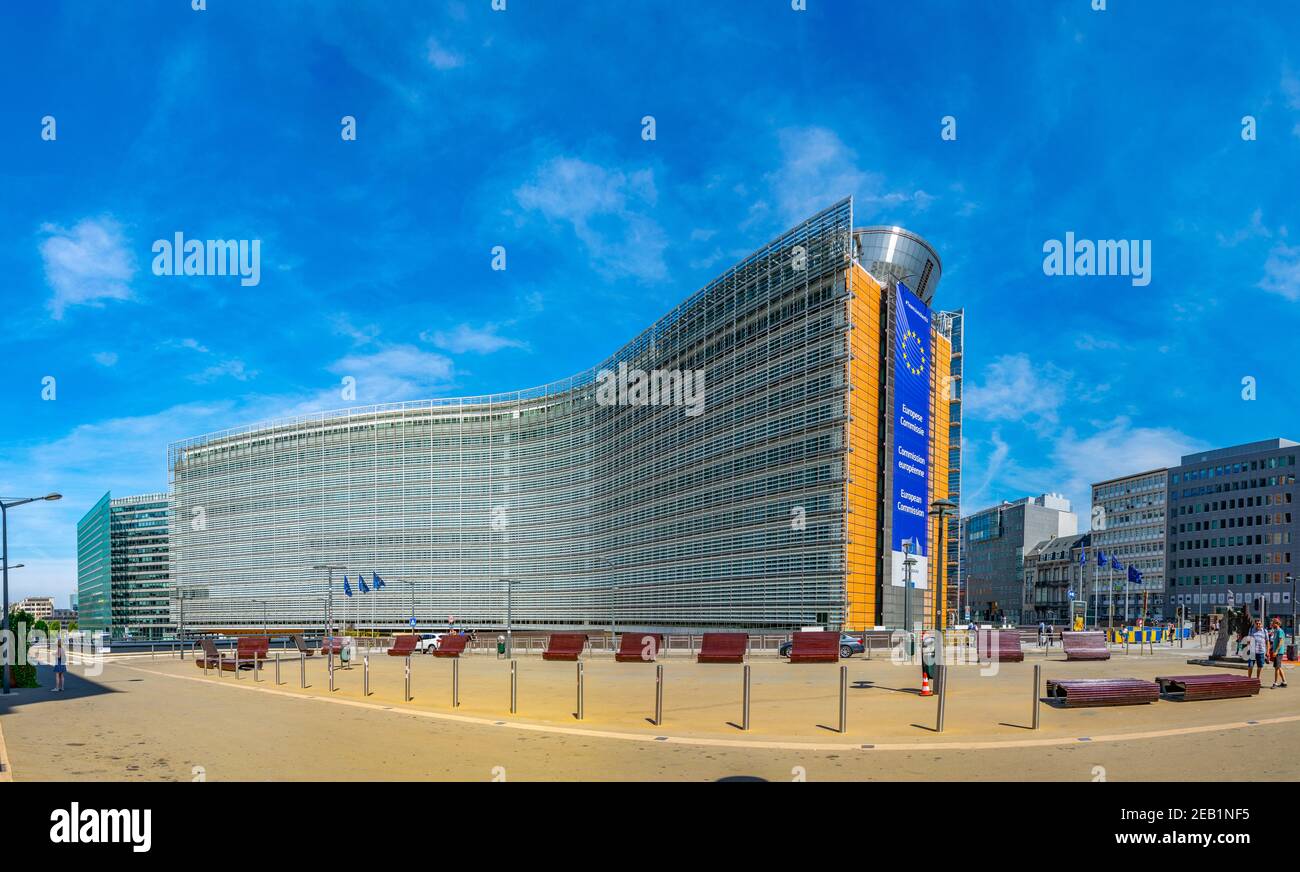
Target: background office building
{"x":784,"y":502}
{"x":1128,"y":520}
{"x":956,"y":329}
{"x":39,"y":607}
{"x":1052,"y":571}
{"x":123,"y":568}
{"x":1232,"y":526}
{"x":994,"y":544}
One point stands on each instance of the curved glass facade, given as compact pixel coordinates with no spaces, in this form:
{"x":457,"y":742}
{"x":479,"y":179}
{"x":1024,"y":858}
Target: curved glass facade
{"x":645,"y":515}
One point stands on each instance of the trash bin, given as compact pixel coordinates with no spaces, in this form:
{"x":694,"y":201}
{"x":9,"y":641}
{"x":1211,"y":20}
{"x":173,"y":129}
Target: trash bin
{"x":501,"y":647}
{"x":1290,"y":652}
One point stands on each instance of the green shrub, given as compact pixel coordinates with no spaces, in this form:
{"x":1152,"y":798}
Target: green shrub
{"x":23,"y":676}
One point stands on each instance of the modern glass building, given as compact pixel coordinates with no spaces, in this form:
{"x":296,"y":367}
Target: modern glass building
{"x":123,"y":573}
{"x":769,"y":484}
{"x":1232,"y":530}
{"x":1128,"y":520}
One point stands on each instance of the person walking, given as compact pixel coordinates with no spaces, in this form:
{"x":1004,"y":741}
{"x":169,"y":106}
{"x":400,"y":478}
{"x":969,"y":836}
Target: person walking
{"x":1257,"y":649}
{"x":60,"y":667}
{"x":1277,"y":648}
{"x":1042,"y":632}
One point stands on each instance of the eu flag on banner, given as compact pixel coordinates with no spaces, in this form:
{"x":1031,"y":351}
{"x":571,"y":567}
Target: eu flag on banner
{"x":1101,"y":558}
{"x":378,"y":582}
{"x":347,"y":588}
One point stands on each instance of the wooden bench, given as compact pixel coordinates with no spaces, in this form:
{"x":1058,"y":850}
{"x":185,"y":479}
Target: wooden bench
{"x":1000,"y":645}
{"x":1078,"y":692}
{"x":1085,"y":645}
{"x":451,"y":646}
{"x":1209,"y":686}
{"x":212,"y":657}
{"x":815,"y":647}
{"x":334,"y":643}
{"x":639,"y":647}
{"x":405,"y":645}
{"x":723,"y":648}
{"x":301,"y":644}
{"x":252,"y":648}
{"x":564,"y":646}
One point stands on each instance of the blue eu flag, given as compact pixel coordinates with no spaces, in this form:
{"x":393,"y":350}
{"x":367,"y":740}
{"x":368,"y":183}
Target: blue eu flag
{"x":1101,"y":558}
{"x":361,"y":585}
{"x":1115,"y":564}
{"x":347,"y":588}
{"x":379,"y":582}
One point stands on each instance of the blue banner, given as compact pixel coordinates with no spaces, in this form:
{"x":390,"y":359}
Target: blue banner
{"x":911,"y":460}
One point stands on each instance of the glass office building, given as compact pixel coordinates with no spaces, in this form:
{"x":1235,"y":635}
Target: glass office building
{"x":123,"y":575}
{"x":762,"y":506}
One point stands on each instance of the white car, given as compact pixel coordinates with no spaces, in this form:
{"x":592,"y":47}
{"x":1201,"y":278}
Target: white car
{"x":429,"y":642}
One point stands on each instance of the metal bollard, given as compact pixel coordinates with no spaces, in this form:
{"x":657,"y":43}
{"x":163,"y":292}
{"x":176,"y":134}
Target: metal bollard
{"x":331,"y":670}
{"x":302,"y":671}
{"x":257,"y":668}
{"x":659,"y":696}
{"x":868,"y":647}
{"x":408,"y":677}
{"x":514,"y":685}
{"x":744,"y":714}
{"x":943,"y":696}
{"x":1038,"y":683}
{"x":844,"y":699}
{"x":205,"y":667}
{"x":277,"y":668}
{"x":365,"y":675}
{"x":455,"y":682}
{"x":579,"y":690}
{"x":236,"y":667}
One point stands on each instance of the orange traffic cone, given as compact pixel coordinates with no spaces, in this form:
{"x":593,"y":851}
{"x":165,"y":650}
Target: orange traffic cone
{"x":925,"y":685}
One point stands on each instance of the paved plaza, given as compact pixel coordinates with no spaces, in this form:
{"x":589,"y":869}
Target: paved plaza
{"x":160,"y":718}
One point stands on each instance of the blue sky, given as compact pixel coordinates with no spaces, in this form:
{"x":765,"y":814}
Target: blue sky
{"x":522,"y":128}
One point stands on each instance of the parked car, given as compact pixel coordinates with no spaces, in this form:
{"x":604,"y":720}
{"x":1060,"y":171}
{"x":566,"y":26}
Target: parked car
{"x":849,"y":645}
{"x":429,"y":642}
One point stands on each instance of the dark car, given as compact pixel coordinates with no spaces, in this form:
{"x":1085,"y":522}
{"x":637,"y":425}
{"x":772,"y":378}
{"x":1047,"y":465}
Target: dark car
{"x":849,"y":645}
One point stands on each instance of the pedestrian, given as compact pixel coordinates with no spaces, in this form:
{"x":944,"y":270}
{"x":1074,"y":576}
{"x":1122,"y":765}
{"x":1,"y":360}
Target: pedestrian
{"x":60,"y":666}
{"x":1042,"y":632}
{"x":1277,"y":642}
{"x":1257,"y":650}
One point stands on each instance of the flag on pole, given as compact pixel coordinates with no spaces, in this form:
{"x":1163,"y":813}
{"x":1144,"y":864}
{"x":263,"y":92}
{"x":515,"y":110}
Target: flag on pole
{"x":361,"y":584}
{"x":1083,"y":556}
{"x":1132,"y":573}
{"x":1115,"y":564}
{"x":347,"y":588}
{"x":378,"y":582}
{"x":1101,"y":558}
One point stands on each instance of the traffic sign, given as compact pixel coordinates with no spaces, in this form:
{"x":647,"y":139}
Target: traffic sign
{"x":1070,"y":594}
{"x":412,"y":622}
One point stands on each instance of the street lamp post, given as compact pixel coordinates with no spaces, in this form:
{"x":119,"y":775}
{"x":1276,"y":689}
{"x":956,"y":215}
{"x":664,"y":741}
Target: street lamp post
{"x":329,"y":608}
{"x":1291,"y":578}
{"x":509,"y":615}
{"x":941,"y":509}
{"x":908,"y":562}
{"x":263,"y":604}
{"x":612,"y":601}
{"x":4,"y":562}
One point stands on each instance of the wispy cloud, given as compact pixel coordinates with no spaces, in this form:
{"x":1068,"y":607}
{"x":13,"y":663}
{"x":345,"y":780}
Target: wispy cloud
{"x":608,"y":210}
{"x":105,"y":358}
{"x":442,"y":58}
{"x":395,"y":373}
{"x":86,"y":265}
{"x":480,"y":340}
{"x":1016,"y":389}
{"x":1282,"y":272}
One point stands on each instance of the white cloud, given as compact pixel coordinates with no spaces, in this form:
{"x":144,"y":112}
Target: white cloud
{"x":481,"y":340}
{"x":818,"y":169}
{"x":105,"y":358}
{"x":86,"y":265}
{"x":607,"y":210}
{"x":442,"y":58}
{"x":1015,"y":389}
{"x":233,"y":368}
{"x":396,"y":373}
{"x":1282,"y":272}
{"x":1091,"y":342}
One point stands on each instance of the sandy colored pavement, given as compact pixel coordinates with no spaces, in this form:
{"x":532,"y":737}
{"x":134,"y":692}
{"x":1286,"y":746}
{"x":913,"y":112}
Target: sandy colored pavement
{"x":159,"y":719}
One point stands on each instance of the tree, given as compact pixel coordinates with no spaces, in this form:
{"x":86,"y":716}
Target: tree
{"x":55,"y":627}
{"x":22,"y":674}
